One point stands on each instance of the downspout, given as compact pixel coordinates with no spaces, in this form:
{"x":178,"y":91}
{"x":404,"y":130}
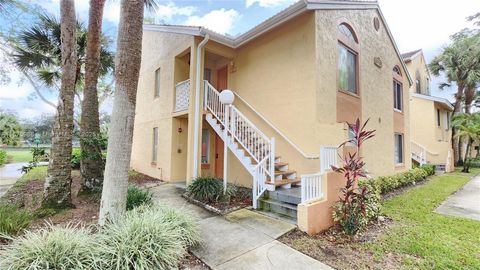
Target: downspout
{"x":196,"y":131}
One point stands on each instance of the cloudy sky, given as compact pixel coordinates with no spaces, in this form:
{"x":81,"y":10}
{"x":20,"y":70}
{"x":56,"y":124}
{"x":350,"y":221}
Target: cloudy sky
{"x":415,"y":24}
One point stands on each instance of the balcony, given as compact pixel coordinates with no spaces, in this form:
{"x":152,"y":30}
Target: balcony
{"x":182,"y":96}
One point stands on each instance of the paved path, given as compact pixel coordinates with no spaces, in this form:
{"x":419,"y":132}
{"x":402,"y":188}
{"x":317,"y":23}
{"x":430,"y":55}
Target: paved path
{"x":463,"y":203}
{"x":9,"y":174}
{"x":243,"y":239}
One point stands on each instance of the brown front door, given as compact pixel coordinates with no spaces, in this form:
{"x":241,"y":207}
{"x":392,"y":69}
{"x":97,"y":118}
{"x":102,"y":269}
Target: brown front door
{"x":222,"y":74}
{"x":222,"y":78}
{"x":218,"y":156}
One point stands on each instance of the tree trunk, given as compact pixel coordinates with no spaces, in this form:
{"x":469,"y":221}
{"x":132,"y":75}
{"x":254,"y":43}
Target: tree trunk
{"x":465,"y":161}
{"x":127,"y":68}
{"x":456,"y":142}
{"x":57,"y":191}
{"x":91,"y":163}
{"x":469,"y":98}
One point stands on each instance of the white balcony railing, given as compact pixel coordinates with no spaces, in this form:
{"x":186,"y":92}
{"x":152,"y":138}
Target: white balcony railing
{"x":182,"y":95}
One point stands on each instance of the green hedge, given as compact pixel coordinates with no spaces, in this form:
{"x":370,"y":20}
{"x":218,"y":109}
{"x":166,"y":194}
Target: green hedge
{"x":3,"y":157}
{"x":385,"y":184}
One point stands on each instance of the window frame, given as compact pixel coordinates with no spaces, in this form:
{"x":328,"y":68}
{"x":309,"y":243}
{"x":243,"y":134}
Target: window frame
{"x":157,"y":82}
{"x":208,"y":146}
{"x":397,"y":80}
{"x":418,"y":82}
{"x":439,"y":118}
{"x":402,"y":149}
{"x":353,"y":47}
{"x":154,"y":157}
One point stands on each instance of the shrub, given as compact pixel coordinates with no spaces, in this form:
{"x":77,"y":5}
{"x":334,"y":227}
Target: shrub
{"x":3,"y":157}
{"x":208,"y":189}
{"x":137,"y":196}
{"x":13,"y":220}
{"x":385,"y":184}
{"x":147,"y":237}
{"x":76,"y":157}
{"x":51,"y":248}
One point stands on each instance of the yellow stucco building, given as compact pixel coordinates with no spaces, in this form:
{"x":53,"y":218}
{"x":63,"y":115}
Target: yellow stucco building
{"x":429,"y":118}
{"x":297,"y":79}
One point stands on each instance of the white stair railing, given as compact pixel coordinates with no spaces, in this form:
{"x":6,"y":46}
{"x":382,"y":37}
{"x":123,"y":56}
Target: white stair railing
{"x":242,"y":131}
{"x":311,"y":184}
{"x":182,"y":95}
{"x":419,"y":152}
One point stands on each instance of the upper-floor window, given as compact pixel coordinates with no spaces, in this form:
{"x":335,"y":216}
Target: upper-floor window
{"x":418,"y":82}
{"x":156,"y":92}
{"x":397,"y":89}
{"x":347,"y":79}
{"x":154,"y":144}
{"x":439,"y":116}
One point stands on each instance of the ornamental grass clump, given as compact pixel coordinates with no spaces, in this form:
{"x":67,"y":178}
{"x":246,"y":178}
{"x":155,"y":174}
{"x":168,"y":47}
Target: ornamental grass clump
{"x":357,"y":206}
{"x":208,"y":189}
{"x":13,"y":220}
{"x":52,"y":247}
{"x":137,"y":196}
{"x":147,"y":237}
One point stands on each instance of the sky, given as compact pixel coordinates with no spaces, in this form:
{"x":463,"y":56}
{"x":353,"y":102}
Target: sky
{"x":415,"y":24}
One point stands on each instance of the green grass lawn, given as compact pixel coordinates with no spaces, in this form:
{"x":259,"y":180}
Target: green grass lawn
{"x":15,"y":155}
{"x":427,"y":240}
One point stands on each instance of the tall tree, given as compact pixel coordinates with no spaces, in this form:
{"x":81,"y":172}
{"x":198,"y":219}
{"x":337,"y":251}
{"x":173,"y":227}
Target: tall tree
{"x":91,"y":164}
{"x":468,"y":127}
{"x":58,"y":182}
{"x":127,"y":68}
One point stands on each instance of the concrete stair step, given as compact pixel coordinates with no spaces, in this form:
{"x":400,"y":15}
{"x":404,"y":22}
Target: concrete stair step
{"x":291,"y":196}
{"x":279,"y":208}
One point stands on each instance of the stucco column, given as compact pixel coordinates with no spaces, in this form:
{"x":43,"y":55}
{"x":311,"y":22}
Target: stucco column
{"x":191,"y":113}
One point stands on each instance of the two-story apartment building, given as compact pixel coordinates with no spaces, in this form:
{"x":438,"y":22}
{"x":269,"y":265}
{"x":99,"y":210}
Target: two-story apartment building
{"x":429,"y":118}
{"x":298,"y":80}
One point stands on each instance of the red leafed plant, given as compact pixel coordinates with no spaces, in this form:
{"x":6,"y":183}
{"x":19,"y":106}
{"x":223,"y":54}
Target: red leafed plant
{"x":357,"y":206}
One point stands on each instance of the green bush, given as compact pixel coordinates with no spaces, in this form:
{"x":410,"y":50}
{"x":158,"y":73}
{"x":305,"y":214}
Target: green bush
{"x":51,"y":248}
{"x":3,"y":157}
{"x":385,"y":184}
{"x":137,"y":196}
{"x":208,"y":189}
{"x":147,"y":237}
{"x":13,"y":220}
{"x":76,"y":157}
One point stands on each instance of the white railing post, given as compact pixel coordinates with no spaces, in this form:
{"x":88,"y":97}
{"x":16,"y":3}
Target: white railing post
{"x":272,"y":160}
{"x":225,"y":148}
{"x":205,"y":94}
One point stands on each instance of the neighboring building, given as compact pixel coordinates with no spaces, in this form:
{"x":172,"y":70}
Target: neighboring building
{"x":298,"y":77}
{"x":429,"y":118}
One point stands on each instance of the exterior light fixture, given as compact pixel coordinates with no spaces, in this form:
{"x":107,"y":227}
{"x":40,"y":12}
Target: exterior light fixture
{"x":226,"y":97}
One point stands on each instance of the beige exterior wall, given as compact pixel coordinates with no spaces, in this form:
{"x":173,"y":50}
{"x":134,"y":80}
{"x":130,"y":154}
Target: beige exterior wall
{"x":424,"y":123}
{"x":376,"y":92}
{"x":159,"y":51}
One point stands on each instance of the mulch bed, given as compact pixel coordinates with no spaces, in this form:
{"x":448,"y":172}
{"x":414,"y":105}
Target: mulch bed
{"x":241,"y":200}
{"x":341,"y":251}
{"x":190,"y":262}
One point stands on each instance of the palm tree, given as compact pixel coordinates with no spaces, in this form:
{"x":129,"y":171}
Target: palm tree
{"x":127,"y":69}
{"x":91,"y":164}
{"x":57,"y":192}
{"x":468,"y":130}
{"x":460,"y":63}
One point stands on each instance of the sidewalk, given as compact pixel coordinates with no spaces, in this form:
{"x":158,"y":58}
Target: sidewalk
{"x":243,"y":239}
{"x":463,"y":203}
{"x":9,"y":174}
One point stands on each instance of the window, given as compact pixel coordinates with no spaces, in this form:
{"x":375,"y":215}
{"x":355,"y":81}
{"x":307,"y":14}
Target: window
{"x":347,"y":31}
{"x":398,"y":148}
{"x":207,"y":75}
{"x":205,"y":146}
{"x":428,"y":86}
{"x":438,"y":118}
{"x":347,"y":69}
{"x":397,"y":95}
{"x":418,"y":83}
{"x":396,"y":70}
{"x":447,"y":121}
{"x":157,"y":83}
{"x":154,"y":145}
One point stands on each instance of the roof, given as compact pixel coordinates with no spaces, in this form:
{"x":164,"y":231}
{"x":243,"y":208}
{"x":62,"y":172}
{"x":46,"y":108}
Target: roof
{"x":410,"y":55}
{"x":290,"y":12}
{"x":442,"y":101}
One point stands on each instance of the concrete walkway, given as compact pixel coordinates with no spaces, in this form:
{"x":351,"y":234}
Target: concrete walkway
{"x":463,"y":203}
{"x":9,"y":174}
{"x":243,"y":239}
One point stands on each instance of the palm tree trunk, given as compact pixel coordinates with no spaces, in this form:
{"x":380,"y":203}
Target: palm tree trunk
{"x":456,"y":142}
{"x":467,"y":153}
{"x":91,"y":163}
{"x":127,"y":68}
{"x":57,"y":191}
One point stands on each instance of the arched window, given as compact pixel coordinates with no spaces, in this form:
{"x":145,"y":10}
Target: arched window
{"x":347,"y":46}
{"x":418,"y":82}
{"x":397,"y":89}
{"x":347,"y":30}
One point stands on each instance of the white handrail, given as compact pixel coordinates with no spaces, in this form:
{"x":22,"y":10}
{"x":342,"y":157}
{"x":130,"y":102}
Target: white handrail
{"x":311,"y":185}
{"x":426,"y":150}
{"x":276,"y":129}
